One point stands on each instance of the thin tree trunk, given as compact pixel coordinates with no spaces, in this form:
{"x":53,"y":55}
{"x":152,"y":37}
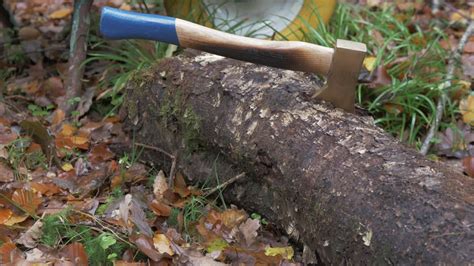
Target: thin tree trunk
{"x":77,"y":54}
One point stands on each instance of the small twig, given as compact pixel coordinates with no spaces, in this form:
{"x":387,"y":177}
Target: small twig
{"x":155,"y":149}
{"x":19,"y":97}
{"x":99,"y":222}
{"x":173,"y":157}
{"x":172,"y":170}
{"x":455,"y":57}
{"x":225,"y":184}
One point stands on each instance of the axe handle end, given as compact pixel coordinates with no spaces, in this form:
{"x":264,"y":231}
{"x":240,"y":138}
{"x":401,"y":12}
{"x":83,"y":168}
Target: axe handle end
{"x":120,"y":24}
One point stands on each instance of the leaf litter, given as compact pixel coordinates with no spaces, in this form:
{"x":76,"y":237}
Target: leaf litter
{"x":64,"y":175}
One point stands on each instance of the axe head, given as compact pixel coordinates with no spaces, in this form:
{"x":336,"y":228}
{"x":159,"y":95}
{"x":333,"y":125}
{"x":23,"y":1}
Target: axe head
{"x":341,"y":81}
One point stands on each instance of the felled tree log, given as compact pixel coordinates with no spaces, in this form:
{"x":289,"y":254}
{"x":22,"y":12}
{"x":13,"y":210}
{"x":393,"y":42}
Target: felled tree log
{"x":334,"y":181}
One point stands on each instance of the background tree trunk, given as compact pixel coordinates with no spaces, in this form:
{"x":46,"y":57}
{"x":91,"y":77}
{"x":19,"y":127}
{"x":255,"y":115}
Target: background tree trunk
{"x":77,"y":54}
{"x":335,"y":182}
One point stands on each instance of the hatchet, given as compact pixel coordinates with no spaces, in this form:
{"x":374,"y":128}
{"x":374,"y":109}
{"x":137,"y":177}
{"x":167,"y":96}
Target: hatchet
{"x":340,"y":65}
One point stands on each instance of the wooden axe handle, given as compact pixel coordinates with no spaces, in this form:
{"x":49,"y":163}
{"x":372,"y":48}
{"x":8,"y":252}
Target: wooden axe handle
{"x":299,"y":56}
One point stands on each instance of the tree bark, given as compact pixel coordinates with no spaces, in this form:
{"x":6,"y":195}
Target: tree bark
{"x":334,"y":181}
{"x":77,"y":54}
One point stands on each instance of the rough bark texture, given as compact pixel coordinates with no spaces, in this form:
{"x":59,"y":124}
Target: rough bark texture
{"x":77,"y":53}
{"x":334,"y":181}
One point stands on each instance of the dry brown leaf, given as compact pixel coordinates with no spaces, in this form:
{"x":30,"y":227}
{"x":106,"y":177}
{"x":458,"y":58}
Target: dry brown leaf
{"x":160,"y":208}
{"x":61,"y":13}
{"x":27,"y":200}
{"x":232,"y":217}
{"x":468,"y":165}
{"x":47,"y":189}
{"x":381,"y":78}
{"x":72,"y":142}
{"x":30,"y":238}
{"x":15,"y":219}
{"x":160,"y":186}
{"x":163,"y":244}
{"x":58,"y":117}
{"x":28,"y":33}
{"x":469,"y":47}
{"x":5,"y":215}
{"x":466,"y":106}
{"x":393,"y":108}
{"x":180,"y":186}
{"x":196,"y":258}
{"x":145,"y":245}
{"x":8,"y":253}
{"x":6,"y":173}
{"x":75,"y":253}
{"x":68,"y":130}
{"x":468,"y":65}
{"x":249,"y":230}
{"x":7,"y":137}
{"x":100,"y":153}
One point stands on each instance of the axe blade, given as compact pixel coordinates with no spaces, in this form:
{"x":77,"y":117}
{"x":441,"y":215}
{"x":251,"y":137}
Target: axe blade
{"x":343,"y":73}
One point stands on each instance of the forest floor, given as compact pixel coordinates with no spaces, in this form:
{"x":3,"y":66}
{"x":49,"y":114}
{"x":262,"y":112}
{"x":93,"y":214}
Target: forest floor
{"x":65,"y":197}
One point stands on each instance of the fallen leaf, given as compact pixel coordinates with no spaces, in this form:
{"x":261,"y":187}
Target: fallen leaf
{"x":58,"y":117}
{"x":160,"y":208}
{"x":27,"y":200}
{"x":160,"y":186}
{"x":162,"y":244}
{"x":217,"y":244}
{"x":369,"y":63}
{"x":35,"y":256}
{"x":30,"y":238}
{"x":28,"y":33}
{"x":455,"y":141}
{"x":78,"y":140}
{"x":100,"y":153}
{"x":68,"y":130}
{"x":54,"y":87}
{"x":72,"y":142}
{"x":285,"y":252}
{"x":194,"y":257}
{"x":145,"y":245}
{"x":469,"y":47}
{"x":47,"y":189}
{"x":466,"y":106}
{"x":233,"y":217}
{"x":380,"y":78}
{"x":468,"y":165}
{"x":61,"y":13}
{"x":5,"y":215}
{"x":6,"y":173}
{"x":468,"y":65}
{"x":393,"y":108}
{"x":67,"y":167}
{"x":75,"y":253}
{"x":180,"y":186}
{"x":15,"y":219}
{"x":249,"y":230}
{"x":367,"y":237}
{"x":7,"y":137}
{"x":7,"y":253}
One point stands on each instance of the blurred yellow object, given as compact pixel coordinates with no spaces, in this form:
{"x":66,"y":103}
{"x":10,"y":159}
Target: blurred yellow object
{"x":266,"y":19}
